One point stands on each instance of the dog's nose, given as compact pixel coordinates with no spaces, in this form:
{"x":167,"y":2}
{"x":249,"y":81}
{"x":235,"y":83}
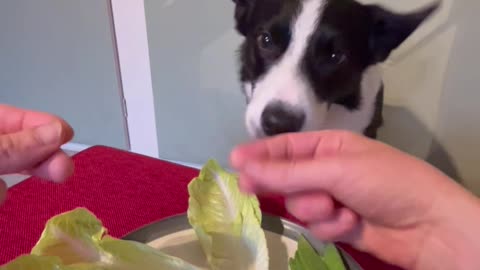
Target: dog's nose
{"x":278,"y":118}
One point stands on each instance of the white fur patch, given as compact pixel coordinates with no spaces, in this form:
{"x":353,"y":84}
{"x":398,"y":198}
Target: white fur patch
{"x":248,"y":90}
{"x":285,"y":82}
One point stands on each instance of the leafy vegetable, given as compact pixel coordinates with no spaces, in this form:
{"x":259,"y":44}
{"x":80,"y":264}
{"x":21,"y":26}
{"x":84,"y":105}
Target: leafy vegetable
{"x":226,"y":221}
{"x":36,"y":262}
{"x":306,"y":258}
{"x":76,"y":240}
{"x":332,"y":258}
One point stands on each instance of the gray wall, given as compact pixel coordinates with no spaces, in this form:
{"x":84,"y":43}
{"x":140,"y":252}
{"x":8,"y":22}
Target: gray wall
{"x":458,"y":129}
{"x":432,"y":84}
{"x":58,"y":56}
{"x":198,"y":102}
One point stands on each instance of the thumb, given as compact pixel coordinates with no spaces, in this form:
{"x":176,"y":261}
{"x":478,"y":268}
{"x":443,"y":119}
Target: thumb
{"x":25,"y":149}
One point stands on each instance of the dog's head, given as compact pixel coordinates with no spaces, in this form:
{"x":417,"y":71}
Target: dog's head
{"x":300,"y":57}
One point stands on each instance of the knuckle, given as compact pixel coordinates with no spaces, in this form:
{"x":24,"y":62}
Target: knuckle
{"x":335,"y":142}
{"x":290,"y":147}
{"x":271,"y":148}
{"x":7,"y":147}
{"x":338,"y":141}
{"x":37,"y":140}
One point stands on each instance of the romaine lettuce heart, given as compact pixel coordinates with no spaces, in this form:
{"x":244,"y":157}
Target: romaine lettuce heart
{"x":226,"y":221}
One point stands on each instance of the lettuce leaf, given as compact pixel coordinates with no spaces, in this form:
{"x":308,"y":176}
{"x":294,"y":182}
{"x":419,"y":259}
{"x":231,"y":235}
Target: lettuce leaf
{"x":306,"y":258}
{"x":46,"y":263}
{"x":76,"y":240}
{"x":332,"y":258}
{"x":226,"y":221}
{"x":36,"y":262}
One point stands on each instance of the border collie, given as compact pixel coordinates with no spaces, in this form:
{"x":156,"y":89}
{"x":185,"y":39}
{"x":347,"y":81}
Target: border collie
{"x":314,"y":64}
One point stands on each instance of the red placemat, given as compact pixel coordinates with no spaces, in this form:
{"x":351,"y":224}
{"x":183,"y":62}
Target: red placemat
{"x":125,"y":190}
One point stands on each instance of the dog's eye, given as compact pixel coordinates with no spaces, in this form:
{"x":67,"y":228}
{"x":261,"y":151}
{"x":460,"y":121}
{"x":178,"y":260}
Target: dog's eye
{"x":265,"y":41}
{"x":337,"y":58}
{"x":333,"y":52}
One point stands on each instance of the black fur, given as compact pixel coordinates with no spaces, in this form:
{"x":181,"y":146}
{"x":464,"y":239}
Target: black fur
{"x":254,"y":17}
{"x":377,"y":118}
{"x":349,"y":37}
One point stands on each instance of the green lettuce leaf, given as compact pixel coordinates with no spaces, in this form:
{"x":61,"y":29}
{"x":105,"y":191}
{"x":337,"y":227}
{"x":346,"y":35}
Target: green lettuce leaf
{"x":226,"y":221}
{"x":307,"y":258}
{"x":28,"y":262}
{"x":332,"y":258}
{"x":76,"y":240}
{"x":36,"y":262}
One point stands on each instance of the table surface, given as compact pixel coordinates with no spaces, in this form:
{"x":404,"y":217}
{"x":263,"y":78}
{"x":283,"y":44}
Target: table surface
{"x":124,"y":190}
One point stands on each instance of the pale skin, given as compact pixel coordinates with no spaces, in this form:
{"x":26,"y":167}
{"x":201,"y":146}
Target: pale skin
{"x":30,"y":144}
{"x":359,"y":191}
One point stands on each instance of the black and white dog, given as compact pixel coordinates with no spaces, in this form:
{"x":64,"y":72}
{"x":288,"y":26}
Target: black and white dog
{"x":314,"y":64}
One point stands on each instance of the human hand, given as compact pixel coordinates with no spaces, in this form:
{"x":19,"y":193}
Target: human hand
{"x":30,"y":143}
{"x":352,"y":189}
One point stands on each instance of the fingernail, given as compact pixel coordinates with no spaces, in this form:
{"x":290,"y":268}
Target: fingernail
{"x":49,"y":133}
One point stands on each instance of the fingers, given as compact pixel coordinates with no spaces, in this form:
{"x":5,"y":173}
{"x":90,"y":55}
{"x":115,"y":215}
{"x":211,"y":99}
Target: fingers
{"x":28,"y":148}
{"x":296,"y":146}
{"x":289,"y":177}
{"x":302,"y":161}
{"x":3,"y":191}
{"x":56,"y":168}
{"x":317,"y":209}
{"x":14,"y":119}
{"x":280,"y":147}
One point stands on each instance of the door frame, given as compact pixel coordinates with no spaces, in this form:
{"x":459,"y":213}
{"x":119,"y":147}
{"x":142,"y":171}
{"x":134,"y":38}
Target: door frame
{"x":131,"y":39}
{"x":128,"y":25}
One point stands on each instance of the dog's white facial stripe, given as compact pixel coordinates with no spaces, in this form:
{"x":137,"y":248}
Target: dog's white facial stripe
{"x":302,"y":29}
{"x":284,"y":82}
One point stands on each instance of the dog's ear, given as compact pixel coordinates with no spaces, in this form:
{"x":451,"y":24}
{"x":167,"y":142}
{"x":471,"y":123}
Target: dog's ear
{"x":390,"y":30}
{"x":243,"y":13}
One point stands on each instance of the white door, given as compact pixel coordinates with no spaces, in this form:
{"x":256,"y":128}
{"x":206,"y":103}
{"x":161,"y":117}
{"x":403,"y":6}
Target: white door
{"x":134,"y":63}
